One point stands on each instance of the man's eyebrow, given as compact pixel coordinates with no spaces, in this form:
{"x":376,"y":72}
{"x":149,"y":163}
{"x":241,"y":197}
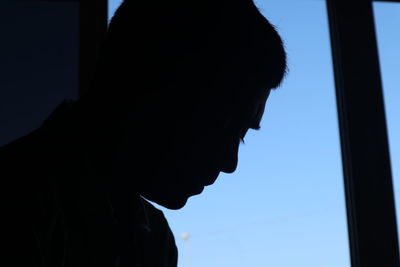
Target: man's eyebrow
{"x":256,"y":120}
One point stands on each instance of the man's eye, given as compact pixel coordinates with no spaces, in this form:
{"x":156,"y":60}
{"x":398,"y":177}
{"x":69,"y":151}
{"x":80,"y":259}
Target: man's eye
{"x":242,"y":140}
{"x":242,"y":135}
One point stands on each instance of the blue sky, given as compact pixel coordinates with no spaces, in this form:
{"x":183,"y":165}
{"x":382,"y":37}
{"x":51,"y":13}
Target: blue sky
{"x":284,"y":206}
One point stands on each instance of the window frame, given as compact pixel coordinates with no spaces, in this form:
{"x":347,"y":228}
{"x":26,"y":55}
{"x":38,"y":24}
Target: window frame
{"x":363,"y":133}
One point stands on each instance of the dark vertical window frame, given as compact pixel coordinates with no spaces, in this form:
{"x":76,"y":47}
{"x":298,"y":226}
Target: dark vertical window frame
{"x":363,"y":133}
{"x":93,"y":28}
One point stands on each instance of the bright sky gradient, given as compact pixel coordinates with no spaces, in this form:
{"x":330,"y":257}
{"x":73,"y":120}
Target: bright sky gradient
{"x":285,"y":206}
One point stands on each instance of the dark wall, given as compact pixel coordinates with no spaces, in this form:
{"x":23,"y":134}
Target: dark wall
{"x":39,"y":52}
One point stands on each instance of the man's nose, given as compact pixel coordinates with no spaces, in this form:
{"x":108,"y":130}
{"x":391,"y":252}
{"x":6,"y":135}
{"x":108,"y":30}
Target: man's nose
{"x":230,"y":160}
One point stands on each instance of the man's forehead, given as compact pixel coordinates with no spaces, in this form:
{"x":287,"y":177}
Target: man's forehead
{"x":249,"y":107}
{"x":246,"y":106}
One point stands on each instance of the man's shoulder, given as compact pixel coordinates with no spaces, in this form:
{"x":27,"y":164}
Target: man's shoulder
{"x":24,"y":207}
{"x":21,"y":151}
{"x":26,"y":187}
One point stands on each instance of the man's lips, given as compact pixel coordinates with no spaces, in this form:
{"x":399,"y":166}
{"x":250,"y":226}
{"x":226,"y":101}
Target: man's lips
{"x":211,"y":178}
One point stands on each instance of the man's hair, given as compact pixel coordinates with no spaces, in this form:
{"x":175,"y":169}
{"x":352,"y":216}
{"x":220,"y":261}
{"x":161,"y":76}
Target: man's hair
{"x":153,"y":44}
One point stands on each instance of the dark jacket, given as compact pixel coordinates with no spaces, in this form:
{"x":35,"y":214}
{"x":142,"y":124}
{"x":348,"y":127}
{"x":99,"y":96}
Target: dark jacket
{"x":59,"y":214}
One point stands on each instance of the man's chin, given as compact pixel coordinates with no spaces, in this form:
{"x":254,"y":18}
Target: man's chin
{"x":172,"y":203}
{"x":172,"y":199}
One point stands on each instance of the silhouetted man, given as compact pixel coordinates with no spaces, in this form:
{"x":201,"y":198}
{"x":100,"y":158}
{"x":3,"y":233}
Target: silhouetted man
{"x":177,"y":87}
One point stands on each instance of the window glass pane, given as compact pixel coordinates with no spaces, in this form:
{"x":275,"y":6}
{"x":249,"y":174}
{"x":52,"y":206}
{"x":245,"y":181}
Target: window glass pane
{"x":284,"y":206}
{"x":387,"y":21}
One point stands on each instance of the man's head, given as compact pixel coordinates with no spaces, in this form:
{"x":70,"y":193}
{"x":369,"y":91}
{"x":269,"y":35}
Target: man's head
{"x":179,"y":84}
